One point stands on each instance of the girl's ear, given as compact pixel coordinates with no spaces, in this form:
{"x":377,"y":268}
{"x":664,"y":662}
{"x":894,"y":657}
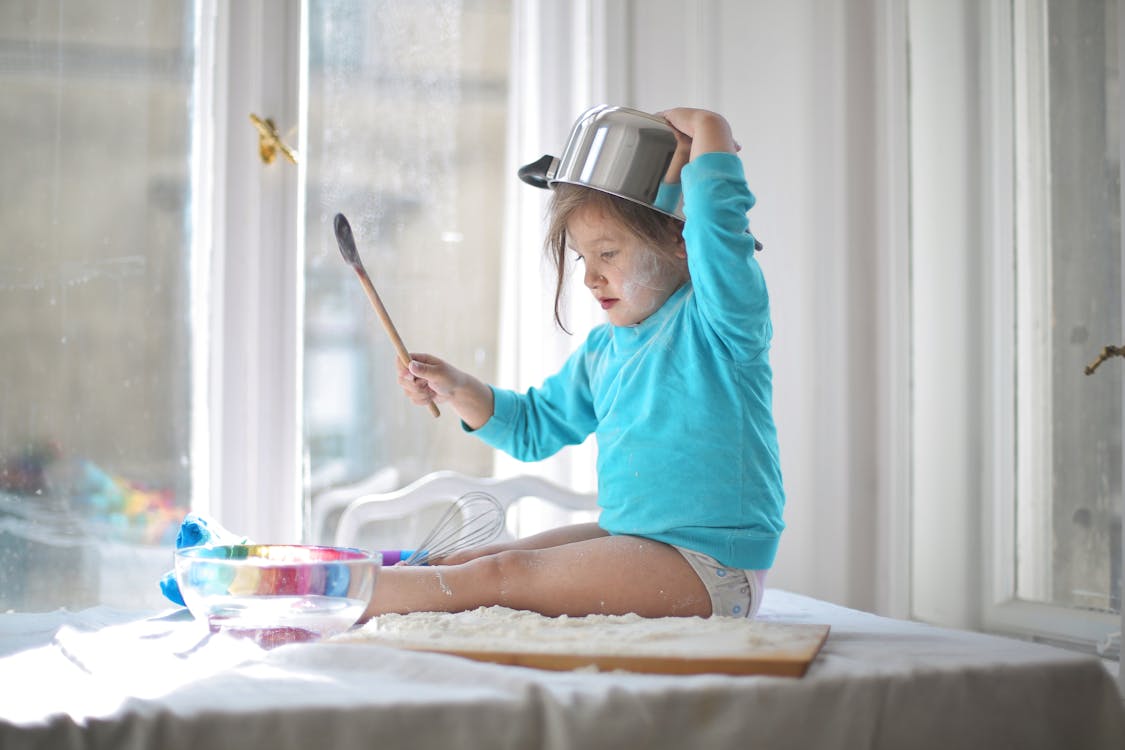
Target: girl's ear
{"x":681,"y":248}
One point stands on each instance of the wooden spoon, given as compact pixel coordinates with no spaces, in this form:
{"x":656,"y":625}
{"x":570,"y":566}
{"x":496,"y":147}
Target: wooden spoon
{"x":346,"y":242}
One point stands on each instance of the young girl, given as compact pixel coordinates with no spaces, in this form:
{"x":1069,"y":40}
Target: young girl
{"x":677,"y":389}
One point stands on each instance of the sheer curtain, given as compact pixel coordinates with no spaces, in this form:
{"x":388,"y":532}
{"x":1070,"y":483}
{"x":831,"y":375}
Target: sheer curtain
{"x":554,"y":79}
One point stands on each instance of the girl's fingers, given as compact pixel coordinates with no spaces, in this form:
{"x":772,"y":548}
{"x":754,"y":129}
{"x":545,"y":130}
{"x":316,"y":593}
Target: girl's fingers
{"x":426,"y":379}
{"x":409,"y":382}
{"x":418,"y":390}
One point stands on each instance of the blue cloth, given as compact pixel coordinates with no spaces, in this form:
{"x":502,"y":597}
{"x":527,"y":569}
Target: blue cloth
{"x":195,"y":531}
{"x":681,"y":404}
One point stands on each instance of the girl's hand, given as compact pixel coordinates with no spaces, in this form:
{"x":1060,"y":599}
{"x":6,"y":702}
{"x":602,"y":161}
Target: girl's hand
{"x":706,"y":131}
{"x":428,"y":378}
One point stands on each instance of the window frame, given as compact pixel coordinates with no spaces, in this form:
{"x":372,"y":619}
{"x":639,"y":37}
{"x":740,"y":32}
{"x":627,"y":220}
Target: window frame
{"x":247,"y":298}
{"x":964,"y":207}
{"x":1018,"y":209}
{"x":1121,"y":146}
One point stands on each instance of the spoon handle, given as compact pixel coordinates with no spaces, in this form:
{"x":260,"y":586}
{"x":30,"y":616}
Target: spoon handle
{"x":388,"y":325}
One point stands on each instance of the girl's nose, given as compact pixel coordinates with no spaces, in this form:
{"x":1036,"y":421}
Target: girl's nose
{"x":593,"y":277}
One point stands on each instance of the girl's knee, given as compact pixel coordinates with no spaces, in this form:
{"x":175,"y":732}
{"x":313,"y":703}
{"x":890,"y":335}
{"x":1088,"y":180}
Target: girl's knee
{"x":506,"y":574}
{"x":512,"y":565}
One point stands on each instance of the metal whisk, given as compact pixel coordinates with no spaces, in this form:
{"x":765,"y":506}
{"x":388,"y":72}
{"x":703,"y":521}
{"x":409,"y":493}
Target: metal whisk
{"x":475,"y":519}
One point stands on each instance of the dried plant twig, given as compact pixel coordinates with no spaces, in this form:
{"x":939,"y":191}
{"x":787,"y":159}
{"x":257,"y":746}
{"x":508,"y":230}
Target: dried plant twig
{"x":1106,"y":353}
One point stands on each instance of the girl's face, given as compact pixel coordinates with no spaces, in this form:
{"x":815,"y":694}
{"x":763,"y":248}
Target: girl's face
{"x":630,"y":280}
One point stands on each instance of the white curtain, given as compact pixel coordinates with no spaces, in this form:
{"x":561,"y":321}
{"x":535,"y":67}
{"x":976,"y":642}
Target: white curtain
{"x":551,"y":84}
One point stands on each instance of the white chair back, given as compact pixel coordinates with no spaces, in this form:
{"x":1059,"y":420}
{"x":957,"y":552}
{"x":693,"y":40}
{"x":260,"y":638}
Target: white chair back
{"x":403,"y":517}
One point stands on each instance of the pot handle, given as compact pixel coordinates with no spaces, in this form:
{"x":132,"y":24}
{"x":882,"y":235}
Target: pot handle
{"x":538,"y":172}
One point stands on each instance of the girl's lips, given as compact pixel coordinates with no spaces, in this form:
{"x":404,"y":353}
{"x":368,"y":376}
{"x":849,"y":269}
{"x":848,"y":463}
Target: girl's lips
{"x":607,"y":303}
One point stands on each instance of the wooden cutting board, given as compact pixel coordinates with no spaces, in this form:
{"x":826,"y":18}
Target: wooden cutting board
{"x":791,"y":662}
{"x":660,"y":646}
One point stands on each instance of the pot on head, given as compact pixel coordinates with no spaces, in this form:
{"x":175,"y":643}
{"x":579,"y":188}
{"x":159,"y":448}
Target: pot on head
{"x":617,"y":150}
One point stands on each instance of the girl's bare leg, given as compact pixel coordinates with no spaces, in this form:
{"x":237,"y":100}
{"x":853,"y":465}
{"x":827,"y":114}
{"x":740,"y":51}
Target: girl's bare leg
{"x":550,"y":538}
{"x":603,"y":575}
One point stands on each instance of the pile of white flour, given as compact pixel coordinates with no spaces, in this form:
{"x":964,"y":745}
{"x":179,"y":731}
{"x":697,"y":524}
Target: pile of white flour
{"x":503,"y":629}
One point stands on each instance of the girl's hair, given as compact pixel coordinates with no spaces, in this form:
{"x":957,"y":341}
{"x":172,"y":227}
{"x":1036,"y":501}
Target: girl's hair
{"x":658,"y":230}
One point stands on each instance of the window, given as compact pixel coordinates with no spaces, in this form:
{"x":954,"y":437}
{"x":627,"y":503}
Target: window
{"x":95,"y":289}
{"x":407,"y":131}
{"x":1016,"y":267}
{"x":1068,"y":306}
{"x":142,"y":336}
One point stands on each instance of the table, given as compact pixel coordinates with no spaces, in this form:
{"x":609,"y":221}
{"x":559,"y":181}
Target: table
{"x":110,"y":678}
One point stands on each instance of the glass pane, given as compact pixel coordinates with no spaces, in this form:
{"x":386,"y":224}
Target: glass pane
{"x":406,"y":137}
{"x":1069,"y":522}
{"x":94,"y":298}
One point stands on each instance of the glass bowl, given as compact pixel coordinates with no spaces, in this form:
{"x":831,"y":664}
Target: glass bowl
{"x":277,"y":593}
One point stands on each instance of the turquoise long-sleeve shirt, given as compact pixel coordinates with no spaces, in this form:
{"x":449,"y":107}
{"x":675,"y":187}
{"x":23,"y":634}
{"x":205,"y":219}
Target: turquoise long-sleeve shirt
{"x":681,"y":404}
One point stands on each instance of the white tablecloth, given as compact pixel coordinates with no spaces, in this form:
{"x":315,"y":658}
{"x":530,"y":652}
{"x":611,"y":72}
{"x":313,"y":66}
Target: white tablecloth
{"x":107,"y":678}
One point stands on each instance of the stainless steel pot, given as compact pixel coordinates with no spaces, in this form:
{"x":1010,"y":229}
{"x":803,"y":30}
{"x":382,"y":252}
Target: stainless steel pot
{"x":617,"y":150}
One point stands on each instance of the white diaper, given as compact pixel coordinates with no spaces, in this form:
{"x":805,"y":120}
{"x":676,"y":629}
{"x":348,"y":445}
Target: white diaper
{"x":734,"y":592}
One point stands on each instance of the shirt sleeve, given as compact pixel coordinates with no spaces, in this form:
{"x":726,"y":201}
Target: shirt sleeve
{"x":669,"y":196}
{"x":539,"y":423}
{"x":727,"y":279}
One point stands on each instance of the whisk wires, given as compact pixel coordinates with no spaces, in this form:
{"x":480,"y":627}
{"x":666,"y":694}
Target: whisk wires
{"x":475,"y":519}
